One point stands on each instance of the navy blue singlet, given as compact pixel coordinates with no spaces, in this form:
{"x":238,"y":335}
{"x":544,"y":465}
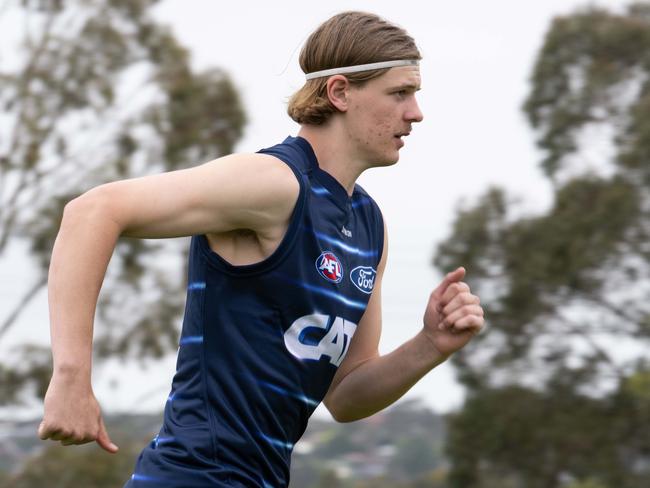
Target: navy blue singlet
{"x":261,"y":343}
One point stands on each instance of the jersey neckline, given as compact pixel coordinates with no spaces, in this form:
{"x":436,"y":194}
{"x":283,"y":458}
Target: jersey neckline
{"x":339,"y":194}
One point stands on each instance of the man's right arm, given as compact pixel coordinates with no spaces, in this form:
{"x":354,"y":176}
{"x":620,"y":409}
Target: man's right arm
{"x":255,"y":192}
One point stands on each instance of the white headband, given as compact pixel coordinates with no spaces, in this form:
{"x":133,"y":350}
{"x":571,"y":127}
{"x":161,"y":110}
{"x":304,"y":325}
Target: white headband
{"x":362,"y":67}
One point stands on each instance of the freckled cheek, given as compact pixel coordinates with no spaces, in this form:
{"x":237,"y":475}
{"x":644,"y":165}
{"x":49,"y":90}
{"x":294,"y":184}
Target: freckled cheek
{"x":380,"y":133}
{"x":384,"y":129}
{"x":375,"y":127}
{"x":380,"y":126}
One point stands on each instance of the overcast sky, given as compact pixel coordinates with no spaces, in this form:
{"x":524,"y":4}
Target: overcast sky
{"x":478,"y":57}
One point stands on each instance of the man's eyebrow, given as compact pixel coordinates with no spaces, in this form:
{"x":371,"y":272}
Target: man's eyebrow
{"x":408,"y":86}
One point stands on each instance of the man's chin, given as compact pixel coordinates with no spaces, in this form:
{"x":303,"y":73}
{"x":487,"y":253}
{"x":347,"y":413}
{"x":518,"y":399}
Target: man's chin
{"x":383,"y":164}
{"x":392,"y":160}
{"x":385,"y":160}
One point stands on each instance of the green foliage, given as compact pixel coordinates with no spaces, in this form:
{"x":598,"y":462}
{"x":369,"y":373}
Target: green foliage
{"x":637,"y":386}
{"x":588,"y":483}
{"x":329,"y":479}
{"x":90,"y":92}
{"x":552,"y":402}
{"x":407,"y":429}
{"x":533,"y":272}
{"x":401,"y":447}
{"x":538,"y":439}
{"x":414,"y":457}
{"x":24,"y":455}
{"x":433,"y":480}
{"x":34,"y":368}
{"x":71,"y":467}
{"x":580,"y":74}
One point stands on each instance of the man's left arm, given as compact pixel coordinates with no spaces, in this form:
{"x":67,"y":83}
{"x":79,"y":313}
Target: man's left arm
{"x":366,"y":382}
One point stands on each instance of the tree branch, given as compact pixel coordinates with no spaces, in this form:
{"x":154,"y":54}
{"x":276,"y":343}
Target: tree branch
{"x":573,"y":328}
{"x":619,"y":312}
{"x":28,"y":297}
{"x":23,"y":93}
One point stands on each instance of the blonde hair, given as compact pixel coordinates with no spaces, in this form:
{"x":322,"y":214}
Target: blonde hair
{"x":347,"y":39}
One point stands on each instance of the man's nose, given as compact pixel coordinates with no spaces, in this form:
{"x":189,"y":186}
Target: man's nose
{"x":414,"y":114}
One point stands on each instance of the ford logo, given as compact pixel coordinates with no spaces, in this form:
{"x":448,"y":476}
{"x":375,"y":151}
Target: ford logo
{"x":363,"y":277}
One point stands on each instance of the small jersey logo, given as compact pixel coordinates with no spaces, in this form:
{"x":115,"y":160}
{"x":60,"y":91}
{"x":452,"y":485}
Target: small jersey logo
{"x":329,"y":267}
{"x":346,"y":232}
{"x":363,"y":277}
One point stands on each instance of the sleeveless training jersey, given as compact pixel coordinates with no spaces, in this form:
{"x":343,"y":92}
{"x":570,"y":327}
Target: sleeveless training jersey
{"x":261,"y":343}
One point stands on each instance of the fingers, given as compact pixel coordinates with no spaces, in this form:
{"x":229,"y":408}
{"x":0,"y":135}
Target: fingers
{"x":450,"y":278}
{"x":42,"y":431}
{"x":471,"y":323}
{"x":50,"y":431}
{"x":68,"y":438}
{"x":104,"y":440}
{"x":458,"y":295}
{"x":467,"y":316}
{"x":460,"y":309}
{"x":59,"y":436}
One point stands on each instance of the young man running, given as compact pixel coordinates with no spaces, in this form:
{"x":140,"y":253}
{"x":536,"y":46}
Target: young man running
{"x":284,"y":295}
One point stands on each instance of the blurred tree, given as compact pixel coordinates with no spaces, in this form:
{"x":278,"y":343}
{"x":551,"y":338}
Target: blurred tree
{"x":398,"y":447}
{"x":92,"y":91}
{"x":522,"y":438}
{"x":86,"y":466}
{"x":329,"y":479}
{"x":434,"y":480}
{"x":589,"y":483}
{"x":414,"y":457}
{"x":566,"y":293}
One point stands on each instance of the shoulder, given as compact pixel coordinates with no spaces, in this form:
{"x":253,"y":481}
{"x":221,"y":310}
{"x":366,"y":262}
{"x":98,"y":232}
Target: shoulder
{"x":260,"y":191}
{"x":264,"y":179}
{"x":255,"y":165}
{"x":296,"y":152}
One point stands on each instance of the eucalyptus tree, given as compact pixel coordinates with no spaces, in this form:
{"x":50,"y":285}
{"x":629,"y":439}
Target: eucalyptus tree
{"x":93,"y":91}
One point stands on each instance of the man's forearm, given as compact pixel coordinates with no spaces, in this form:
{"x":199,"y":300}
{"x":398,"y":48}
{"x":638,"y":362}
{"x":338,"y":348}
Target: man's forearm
{"x":81,"y":254}
{"x":379,"y":382}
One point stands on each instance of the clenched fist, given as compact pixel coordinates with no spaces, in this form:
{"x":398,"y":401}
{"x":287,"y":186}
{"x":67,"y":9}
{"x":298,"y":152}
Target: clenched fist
{"x":72,"y":415}
{"x":453,"y":315}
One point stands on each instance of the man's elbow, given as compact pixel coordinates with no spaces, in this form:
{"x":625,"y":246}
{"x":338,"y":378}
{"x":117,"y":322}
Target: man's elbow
{"x":341,"y":417}
{"x":89,"y":205}
{"x":339,"y":412}
{"x":85,"y":202}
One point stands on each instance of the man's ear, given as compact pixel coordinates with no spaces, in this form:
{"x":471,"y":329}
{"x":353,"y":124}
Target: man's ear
{"x":338,"y":88}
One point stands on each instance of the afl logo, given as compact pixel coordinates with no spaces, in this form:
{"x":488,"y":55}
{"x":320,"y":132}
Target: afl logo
{"x":329,"y":267}
{"x":363,"y":277}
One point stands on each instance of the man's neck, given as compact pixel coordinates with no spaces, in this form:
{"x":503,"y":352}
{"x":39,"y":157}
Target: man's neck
{"x":334,"y":153}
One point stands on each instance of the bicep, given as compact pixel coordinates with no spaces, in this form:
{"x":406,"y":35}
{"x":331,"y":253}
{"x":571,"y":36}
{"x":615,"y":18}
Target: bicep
{"x":238,"y":191}
{"x":365,"y":342}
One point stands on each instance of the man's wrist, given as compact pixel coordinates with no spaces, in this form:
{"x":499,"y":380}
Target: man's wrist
{"x":72,"y":372}
{"x":433,"y":351}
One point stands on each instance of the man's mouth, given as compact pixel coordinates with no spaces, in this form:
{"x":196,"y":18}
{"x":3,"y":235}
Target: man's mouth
{"x":399,"y":137}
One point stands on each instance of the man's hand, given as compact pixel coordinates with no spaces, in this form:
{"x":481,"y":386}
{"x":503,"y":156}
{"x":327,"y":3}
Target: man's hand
{"x":453,"y":315}
{"x":72,"y":415}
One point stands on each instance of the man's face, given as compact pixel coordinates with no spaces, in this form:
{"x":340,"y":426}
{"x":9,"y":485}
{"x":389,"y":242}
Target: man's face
{"x":382,"y":112}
